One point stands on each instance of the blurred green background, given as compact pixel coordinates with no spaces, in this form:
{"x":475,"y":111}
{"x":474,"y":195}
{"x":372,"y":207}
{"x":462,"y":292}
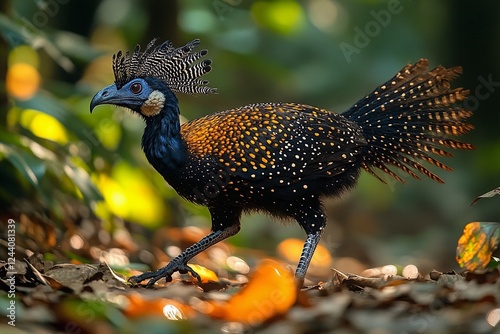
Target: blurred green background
{"x":59,"y":161}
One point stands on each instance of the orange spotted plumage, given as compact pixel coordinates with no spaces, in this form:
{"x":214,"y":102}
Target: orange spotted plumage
{"x":262,"y":138}
{"x":282,"y":158}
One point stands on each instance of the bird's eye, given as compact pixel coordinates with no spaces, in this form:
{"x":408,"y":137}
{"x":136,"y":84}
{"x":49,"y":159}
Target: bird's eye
{"x":136,"y":88}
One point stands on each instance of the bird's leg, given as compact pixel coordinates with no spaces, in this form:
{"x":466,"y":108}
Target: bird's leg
{"x":314,"y":224}
{"x":220,"y":231}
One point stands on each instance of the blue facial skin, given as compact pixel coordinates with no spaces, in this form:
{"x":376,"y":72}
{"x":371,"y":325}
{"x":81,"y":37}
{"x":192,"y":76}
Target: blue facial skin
{"x":132,"y":95}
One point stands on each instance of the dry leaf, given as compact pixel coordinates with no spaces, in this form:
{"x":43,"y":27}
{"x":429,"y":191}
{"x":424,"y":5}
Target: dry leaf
{"x":489,"y":194}
{"x":270,"y":291}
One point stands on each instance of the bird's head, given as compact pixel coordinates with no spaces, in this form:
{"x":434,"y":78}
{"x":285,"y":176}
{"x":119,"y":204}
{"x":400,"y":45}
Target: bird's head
{"x":146,"y":96}
{"x":145,"y":82}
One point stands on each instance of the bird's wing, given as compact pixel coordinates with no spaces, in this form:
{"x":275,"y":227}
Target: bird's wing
{"x":286,"y":142}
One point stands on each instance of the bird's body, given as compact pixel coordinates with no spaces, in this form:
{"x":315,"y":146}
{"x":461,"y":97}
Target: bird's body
{"x":263,"y":155}
{"x":283,"y":158}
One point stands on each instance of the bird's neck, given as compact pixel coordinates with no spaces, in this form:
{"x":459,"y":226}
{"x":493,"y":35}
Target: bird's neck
{"x":162,"y":142}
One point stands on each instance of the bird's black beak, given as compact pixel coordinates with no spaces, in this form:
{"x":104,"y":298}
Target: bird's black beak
{"x":107,"y":95}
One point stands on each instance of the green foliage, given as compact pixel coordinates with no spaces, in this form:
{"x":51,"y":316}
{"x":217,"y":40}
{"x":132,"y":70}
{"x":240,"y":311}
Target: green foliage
{"x":52,"y":152}
{"x":34,"y":151}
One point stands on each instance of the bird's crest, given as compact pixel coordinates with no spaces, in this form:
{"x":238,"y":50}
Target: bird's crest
{"x":176,"y":67}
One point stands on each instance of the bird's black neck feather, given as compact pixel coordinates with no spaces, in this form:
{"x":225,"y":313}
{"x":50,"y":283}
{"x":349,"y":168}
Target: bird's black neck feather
{"x":162,"y":142}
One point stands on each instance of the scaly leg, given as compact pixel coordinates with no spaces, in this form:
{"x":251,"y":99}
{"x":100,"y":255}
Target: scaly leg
{"x":314,"y":223}
{"x":219,"y":232}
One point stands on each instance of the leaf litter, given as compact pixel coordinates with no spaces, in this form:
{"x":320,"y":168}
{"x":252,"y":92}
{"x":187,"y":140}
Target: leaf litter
{"x":60,"y":293}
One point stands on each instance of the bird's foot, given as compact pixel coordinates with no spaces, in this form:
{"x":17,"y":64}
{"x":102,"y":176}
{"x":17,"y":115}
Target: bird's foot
{"x":166,"y":272}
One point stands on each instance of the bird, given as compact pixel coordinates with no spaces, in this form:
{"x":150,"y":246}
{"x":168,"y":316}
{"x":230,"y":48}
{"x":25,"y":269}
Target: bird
{"x":283,"y":159}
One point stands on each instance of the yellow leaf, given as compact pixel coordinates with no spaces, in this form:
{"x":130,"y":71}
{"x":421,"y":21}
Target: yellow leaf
{"x":477,"y":244}
{"x":206,"y":274}
{"x":43,"y":126}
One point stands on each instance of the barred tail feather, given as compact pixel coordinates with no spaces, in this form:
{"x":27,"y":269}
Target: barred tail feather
{"x":409,"y":118}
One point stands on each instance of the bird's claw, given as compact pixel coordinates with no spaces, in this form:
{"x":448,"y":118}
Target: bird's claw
{"x":166,"y":272}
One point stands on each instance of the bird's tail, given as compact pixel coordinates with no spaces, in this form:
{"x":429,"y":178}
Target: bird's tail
{"x":410,"y":119}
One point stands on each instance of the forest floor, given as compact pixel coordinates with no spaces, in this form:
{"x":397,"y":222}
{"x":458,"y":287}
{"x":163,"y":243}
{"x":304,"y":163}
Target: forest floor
{"x":76,"y":282}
